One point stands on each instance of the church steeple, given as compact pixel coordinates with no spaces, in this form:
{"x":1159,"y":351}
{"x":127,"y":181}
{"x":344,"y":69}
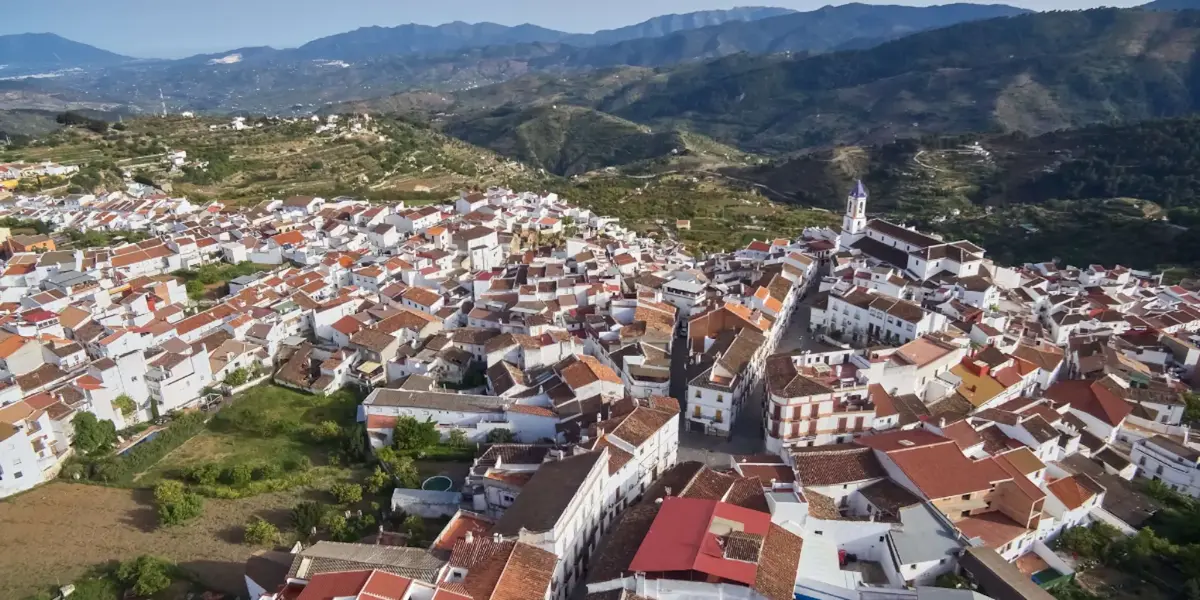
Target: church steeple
{"x":855,"y":220}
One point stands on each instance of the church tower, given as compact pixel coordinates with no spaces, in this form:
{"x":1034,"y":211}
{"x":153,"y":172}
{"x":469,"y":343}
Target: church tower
{"x":853,"y":223}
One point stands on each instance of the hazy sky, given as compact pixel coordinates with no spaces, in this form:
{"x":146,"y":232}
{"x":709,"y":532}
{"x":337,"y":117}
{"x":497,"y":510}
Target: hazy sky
{"x":167,"y":29}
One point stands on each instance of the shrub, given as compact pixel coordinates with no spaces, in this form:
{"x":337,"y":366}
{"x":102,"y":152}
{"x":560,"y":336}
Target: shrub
{"x":124,"y":404}
{"x":206,"y":474}
{"x":458,"y":438}
{"x":500,"y":436}
{"x":175,"y":504}
{"x":299,"y":463}
{"x":268,"y":471}
{"x":326,"y":431}
{"x":238,"y":376}
{"x":347,"y":493}
{"x":261,"y":533}
{"x":238,"y":475}
{"x":145,"y":575}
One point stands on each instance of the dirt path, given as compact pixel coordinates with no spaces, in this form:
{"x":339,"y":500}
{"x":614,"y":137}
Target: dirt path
{"x":54,"y":533}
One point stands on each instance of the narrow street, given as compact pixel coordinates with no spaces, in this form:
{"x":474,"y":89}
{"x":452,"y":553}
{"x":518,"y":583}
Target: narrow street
{"x":747,"y":435}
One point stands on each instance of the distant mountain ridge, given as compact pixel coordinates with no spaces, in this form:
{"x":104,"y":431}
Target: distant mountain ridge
{"x":28,"y":51}
{"x":1172,"y":5}
{"x":369,"y":42}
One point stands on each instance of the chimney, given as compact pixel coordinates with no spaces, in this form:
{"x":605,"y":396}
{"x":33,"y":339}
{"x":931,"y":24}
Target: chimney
{"x":640,"y":579}
{"x":469,"y":538}
{"x":941,"y":422}
{"x":667,"y":490}
{"x":497,"y":538}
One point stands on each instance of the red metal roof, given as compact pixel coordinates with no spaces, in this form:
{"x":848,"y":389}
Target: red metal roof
{"x":685,"y":536}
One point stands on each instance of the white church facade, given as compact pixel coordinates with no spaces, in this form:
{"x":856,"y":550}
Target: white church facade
{"x":920,"y":256}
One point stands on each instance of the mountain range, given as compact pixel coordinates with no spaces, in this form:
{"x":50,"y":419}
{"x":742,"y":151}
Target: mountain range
{"x":1030,"y":73}
{"x":374,"y":62}
{"x":757,"y":81}
{"x":24,"y":52}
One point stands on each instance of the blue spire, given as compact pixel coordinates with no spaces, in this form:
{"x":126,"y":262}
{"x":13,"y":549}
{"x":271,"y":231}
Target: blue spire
{"x":860,"y":190}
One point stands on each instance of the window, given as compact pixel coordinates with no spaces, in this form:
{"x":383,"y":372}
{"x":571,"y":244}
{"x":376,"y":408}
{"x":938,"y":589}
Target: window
{"x":720,"y":418}
{"x":966,"y":496}
{"x":697,"y":393}
{"x":720,"y":397}
{"x":964,"y":514}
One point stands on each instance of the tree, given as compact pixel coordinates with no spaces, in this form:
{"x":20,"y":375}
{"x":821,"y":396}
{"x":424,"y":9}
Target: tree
{"x":124,"y":404}
{"x":458,"y":438}
{"x":402,"y":468}
{"x":93,"y":436}
{"x":347,"y":493}
{"x":1191,"y":413}
{"x":377,"y":482}
{"x":411,"y":435}
{"x":500,"y":436}
{"x":414,"y":526}
{"x":145,"y":575}
{"x":307,"y":516}
{"x":175,"y":504}
{"x":355,"y":443}
{"x":261,"y":533}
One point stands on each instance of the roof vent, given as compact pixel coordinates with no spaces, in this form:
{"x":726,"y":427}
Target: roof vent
{"x":906,"y":443}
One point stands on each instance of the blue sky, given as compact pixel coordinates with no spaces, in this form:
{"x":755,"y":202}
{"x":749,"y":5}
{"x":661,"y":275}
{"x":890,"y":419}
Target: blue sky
{"x":167,"y":29}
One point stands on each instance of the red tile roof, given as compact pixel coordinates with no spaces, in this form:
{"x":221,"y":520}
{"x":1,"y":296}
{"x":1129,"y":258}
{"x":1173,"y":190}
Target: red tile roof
{"x":1092,"y":398}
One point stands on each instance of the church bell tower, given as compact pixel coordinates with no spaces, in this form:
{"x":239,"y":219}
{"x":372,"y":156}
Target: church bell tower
{"x":854,"y":223}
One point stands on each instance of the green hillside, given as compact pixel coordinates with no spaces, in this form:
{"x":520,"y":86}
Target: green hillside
{"x":1032,"y":73}
{"x":571,"y":140}
{"x":1065,"y":194}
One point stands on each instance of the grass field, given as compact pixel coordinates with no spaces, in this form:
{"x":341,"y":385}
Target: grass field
{"x":266,"y":423}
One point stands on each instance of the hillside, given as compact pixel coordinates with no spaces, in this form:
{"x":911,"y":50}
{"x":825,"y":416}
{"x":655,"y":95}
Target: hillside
{"x":1068,"y":193}
{"x":1031,"y":73}
{"x":571,"y":140}
{"x":532,"y":89}
{"x":30,"y":52}
{"x":822,"y":30}
{"x":383,"y":158}
{"x":675,"y":23}
{"x":1172,"y":5}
